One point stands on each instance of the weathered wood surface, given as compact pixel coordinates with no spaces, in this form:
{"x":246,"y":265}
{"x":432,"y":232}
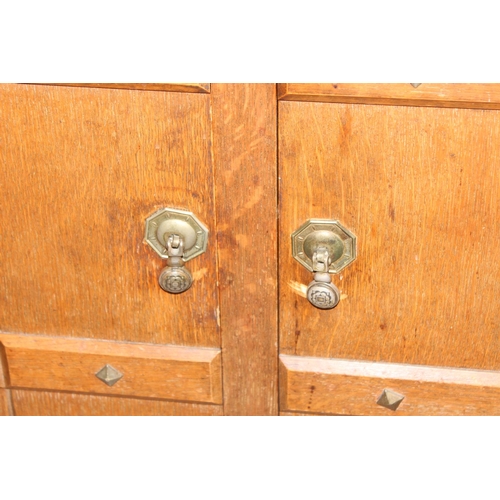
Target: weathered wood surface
{"x":419,"y":187}
{"x":448,"y":95}
{"x":156,"y":371}
{"x":82,"y":168}
{"x":28,"y":403}
{"x":244,"y":135}
{"x":353,"y":388}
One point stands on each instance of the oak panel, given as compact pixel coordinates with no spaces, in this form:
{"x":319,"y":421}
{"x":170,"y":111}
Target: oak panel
{"x":156,"y":371}
{"x":4,"y":403}
{"x":204,"y":88}
{"x":244,"y":134}
{"x":82,"y":168}
{"x":353,"y":388}
{"x":419,"y":188}
{"x":44,"y":403}
{"x":451,"y":95}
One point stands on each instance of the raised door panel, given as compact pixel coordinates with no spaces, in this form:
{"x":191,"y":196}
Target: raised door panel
{"x":419,"y":188}
{"x":81,"y":171}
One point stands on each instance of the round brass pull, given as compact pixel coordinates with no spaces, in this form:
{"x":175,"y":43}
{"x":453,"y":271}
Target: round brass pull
{"x":175,"y":279}
{"x":322,"y":293}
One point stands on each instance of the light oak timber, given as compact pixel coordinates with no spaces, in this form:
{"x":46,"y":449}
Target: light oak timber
{"x":4,"y":373}
{"x":353,"y":388}
{"x":244,"y":137}
{"x":450,"y":95}
{"x":4,"y":403}
{"x":82,"y":168}
{"x":203,"y":88}
{"x":156,"y":371}
{"x":419,"y":187}
{"x":34,"y":403}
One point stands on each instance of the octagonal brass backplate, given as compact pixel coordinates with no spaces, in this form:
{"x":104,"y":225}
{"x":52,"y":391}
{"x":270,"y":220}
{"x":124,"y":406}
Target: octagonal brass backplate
{"x":168,"y":221}
{"x":315,"y":233}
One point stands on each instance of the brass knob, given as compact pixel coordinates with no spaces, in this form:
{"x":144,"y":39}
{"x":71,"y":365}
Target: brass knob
{"x":175,"y":279}
{"x":323,"y":294}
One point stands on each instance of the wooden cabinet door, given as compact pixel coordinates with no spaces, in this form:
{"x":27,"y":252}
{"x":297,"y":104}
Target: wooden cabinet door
{"x":82,"y":168}
{"x":419,"y":185}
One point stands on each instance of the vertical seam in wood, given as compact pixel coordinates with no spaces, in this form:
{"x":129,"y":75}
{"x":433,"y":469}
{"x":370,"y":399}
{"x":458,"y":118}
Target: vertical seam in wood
{"x":10,"y":403}
{"x":216,"y":245}
{"x":278,"y":211}
{"x":4,"y":365}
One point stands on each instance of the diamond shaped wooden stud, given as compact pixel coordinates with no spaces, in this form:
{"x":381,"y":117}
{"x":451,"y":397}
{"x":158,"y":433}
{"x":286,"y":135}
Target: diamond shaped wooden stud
{"x":109,"y":375}
{"x":390,"y":399}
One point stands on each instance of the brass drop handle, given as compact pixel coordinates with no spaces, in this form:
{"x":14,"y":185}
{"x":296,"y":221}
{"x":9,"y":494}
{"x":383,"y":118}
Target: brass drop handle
{"x":324,"y":247}
{"x":321,"y":292}
{"x":175,"y":278}
{"x":178,"y":236}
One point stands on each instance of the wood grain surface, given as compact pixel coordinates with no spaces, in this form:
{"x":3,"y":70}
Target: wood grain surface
{"x":353,"y":388}
{"x":168,"y":372}
{"x":450,"y":95}
{"x":4,"y":403}
{"x":4,"y":373}
{"x":244,"y":134}
{"x":204,"y":88}
{"x":45,"y":403}
{"x":419,"y":187}
{"x":82,"y":168}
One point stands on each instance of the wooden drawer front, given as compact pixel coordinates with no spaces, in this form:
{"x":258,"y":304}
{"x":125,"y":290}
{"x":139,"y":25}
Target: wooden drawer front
{"x":448,"y":95}
{"x":345,"y":387}
{"x":150,"y":371}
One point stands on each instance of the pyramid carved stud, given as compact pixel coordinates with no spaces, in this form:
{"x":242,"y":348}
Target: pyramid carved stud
{"x":415,"y":84}
{"x":390,"y":399}
{"x":109,"y":375}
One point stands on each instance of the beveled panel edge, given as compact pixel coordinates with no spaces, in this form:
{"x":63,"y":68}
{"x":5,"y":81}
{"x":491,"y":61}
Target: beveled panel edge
{"x":42,"y":355}
{"x":347,"y":387}
{"x":421,"y":373}
{"x":203,"y":88}
{"x":4,"y":372}
{"x":446,"y":95}
{"x":109,"y":347}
